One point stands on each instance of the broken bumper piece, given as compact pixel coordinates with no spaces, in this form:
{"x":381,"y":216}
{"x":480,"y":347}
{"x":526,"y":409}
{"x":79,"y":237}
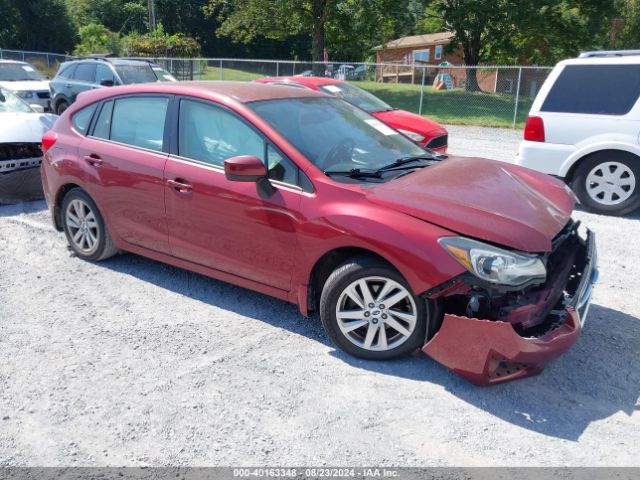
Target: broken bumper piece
{"x":488,"y":352}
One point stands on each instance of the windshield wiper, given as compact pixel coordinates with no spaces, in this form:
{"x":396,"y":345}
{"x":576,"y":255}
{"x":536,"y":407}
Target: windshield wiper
{"x":353,"y":173}
{"x":401,"y":163}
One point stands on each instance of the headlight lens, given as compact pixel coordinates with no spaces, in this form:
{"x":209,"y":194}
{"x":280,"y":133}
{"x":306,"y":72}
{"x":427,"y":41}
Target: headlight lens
{"x":495,"y":265}
{"x":25,"y":94}
{"x":416,"y":137}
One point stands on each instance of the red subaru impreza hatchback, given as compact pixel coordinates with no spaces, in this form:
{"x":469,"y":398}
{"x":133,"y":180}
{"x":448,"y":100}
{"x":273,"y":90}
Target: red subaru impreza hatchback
{"x":309,"y":199}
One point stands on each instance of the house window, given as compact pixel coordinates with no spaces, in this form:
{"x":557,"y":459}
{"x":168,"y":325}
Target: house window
{"x":421,"y":56}
{"x":508,"y":86}
{"x":438,"y":52}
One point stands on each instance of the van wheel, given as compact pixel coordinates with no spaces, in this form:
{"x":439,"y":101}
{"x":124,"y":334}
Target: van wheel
{"x":369,"y":311}
{"x":84,"y":227}
{"x":608,"y":183}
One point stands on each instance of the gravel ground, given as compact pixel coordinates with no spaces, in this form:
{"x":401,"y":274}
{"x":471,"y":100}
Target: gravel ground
{"x":497,"y":143}
{"x":132,"y":362}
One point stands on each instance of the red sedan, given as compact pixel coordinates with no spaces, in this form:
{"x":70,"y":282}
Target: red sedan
{"x":309,"y":199}
{"x":421,"y":130}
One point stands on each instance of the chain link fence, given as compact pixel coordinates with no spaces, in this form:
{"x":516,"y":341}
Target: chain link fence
{"x":47,"y":63}
{"x":501,"y":98}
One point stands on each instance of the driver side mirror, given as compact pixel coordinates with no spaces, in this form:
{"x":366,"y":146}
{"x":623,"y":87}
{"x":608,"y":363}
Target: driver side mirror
{"x":249,"y":168}
{"x":107,"y":83}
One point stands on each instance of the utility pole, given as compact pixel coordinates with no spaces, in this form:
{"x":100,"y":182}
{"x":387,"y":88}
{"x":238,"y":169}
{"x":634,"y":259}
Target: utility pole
{"x":151,"y":7}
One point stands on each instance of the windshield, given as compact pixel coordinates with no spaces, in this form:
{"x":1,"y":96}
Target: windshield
{"x":335,"y":135}
{"x":9,"y":102}
{"x":16,"y":72}
{"x":163,"y":75}
{"x":136,"y":73}
{"x":359,"y":97}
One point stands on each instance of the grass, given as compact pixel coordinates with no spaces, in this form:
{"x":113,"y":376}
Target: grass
{"x":454,"y":107}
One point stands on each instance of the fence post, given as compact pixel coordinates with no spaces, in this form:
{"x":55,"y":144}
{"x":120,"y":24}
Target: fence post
{"x":1,"y":55}
{"x":293,"y":69}
{"x":515,"y":113}
{"x":221,"y":70}
{"x":277,"y":69}
{"x":422,"y":90}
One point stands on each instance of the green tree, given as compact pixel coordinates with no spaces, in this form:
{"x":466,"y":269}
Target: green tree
{"x":625,"y":26}
{"x":40,"y":25}
{"x":246,"y":20}
{"x":161,"y":44}
{"x":533,"y":31}
{"x":96,"y":38}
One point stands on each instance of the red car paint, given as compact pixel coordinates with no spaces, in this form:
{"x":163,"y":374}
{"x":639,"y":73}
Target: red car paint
{"x":189,"y":215}
{"x":396,"y":118}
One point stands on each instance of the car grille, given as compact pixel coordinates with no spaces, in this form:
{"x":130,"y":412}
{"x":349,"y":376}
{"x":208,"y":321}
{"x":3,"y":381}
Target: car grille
{"x":17,"y":156}
{"x":438,"y":142}
{"x":44,"y":95}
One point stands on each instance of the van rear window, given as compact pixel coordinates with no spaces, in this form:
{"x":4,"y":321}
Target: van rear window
{"x":595,"y":89}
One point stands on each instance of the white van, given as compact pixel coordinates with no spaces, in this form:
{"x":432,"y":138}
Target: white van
{"x":584,"y":127}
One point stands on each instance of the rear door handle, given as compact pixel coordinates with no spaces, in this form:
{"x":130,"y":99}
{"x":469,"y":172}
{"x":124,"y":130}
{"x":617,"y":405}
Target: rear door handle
{"x":93,"y":160}
{"x":180,"y":185}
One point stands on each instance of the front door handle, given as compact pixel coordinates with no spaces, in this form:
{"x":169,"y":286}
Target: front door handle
{"x":93,"y":160}
{"x":180,"y":185}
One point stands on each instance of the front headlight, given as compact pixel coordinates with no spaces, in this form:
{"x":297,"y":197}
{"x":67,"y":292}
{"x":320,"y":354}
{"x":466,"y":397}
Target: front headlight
{"x":416,"y":137}
{"x":495,"y":265}
{"x":25,"y":94}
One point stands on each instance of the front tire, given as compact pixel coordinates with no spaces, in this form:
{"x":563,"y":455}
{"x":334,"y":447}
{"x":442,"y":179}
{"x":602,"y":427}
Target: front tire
{"x":369,"y":311}
{"x":84,"y":227}
{"x":608,"y":183}
{"x":61,"y":107}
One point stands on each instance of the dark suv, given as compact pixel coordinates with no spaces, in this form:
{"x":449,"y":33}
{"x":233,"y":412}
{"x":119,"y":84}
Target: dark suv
{"x":77,"y":76}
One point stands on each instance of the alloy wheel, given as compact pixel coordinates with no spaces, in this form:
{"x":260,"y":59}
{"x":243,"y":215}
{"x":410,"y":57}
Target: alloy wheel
{"x":83,"y":227}
{"x":376,"y":313}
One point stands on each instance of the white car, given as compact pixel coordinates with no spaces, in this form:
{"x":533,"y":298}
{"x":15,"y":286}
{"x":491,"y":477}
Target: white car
{"x":21,"y":130}
{"x":584,"y":127}
{"x":27,"y":82}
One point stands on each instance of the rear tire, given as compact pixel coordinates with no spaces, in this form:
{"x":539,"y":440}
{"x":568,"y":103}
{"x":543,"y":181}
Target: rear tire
{"x":368,"y":310}
{"x":608,"y":183}
{"x":84,"y":227}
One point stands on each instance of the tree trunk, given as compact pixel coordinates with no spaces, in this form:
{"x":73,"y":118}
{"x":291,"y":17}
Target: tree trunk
{"x":471,"y":60}
{"x":317,"y":50}
{"x":320,"y":10}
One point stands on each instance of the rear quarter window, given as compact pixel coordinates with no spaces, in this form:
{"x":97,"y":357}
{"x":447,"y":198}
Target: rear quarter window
{"x":82,"y":118}
{"x":595,"y":89}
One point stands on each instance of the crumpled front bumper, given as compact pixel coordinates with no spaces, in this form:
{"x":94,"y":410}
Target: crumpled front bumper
{"x":488,"y":352}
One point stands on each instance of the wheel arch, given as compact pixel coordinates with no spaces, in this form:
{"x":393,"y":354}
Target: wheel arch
{"x":327,"y":263}
{"x":60,"y":194}
{"x":572,"y":163}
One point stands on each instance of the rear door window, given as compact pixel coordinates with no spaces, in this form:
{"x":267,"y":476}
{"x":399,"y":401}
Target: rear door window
{"x":102,"y":128}
{"x":86,"y":72}
{"x":139,"y":121}
{"x":595,"y":89}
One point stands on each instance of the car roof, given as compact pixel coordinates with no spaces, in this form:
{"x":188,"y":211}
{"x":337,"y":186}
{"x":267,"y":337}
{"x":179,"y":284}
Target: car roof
{"x":311,"y":81}
{"x":111,"y":60}
{"x":13,"y":61}
{"x":243,"y":92}
{"x":603,"y":60}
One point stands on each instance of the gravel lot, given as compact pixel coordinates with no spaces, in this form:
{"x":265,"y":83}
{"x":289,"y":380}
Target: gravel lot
{"x":131,"y":362}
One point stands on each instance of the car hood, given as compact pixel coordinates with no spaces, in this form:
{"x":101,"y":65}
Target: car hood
{"x":401,"y":119}
{"x":484,"y":199}
{"x":33,"y":85}
{"x":18,"y":127}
